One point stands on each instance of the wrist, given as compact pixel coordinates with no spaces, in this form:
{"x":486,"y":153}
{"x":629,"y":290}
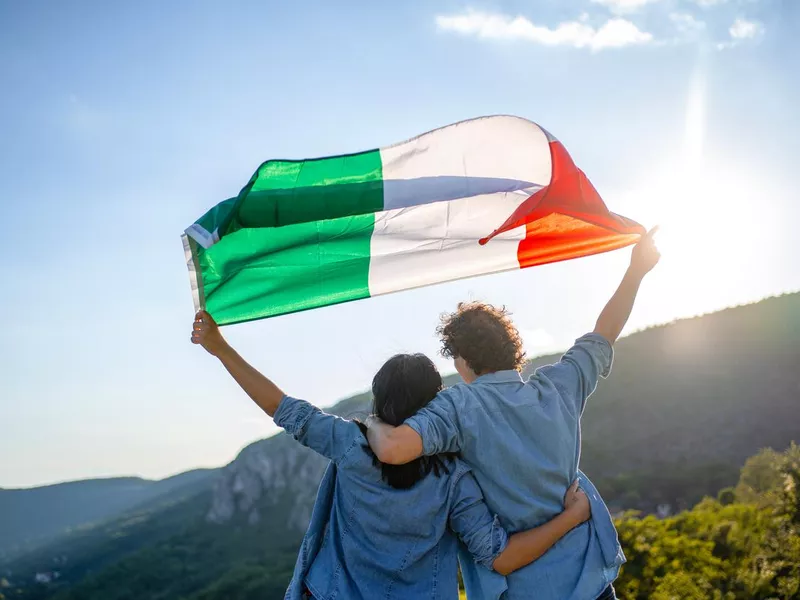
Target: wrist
{"x":572,"y":517}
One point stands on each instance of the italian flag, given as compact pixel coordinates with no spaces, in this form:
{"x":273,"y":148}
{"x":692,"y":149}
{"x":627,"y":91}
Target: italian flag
{"x":481,"y":196}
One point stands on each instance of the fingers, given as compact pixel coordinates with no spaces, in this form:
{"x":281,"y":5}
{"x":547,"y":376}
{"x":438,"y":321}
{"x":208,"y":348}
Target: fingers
{"x":572,"y":494}
{"x":652,"y":232}
{"x":203,"y":322}
{"x":205,"y":317}
{"x":199,"y":331}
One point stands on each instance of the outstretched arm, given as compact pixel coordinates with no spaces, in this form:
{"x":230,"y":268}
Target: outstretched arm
{"x":526,"y":546}
{"x":612,"y":320}
{"x":263,"y":392}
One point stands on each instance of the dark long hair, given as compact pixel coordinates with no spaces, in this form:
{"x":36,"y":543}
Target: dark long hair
{"x":402,"y":386}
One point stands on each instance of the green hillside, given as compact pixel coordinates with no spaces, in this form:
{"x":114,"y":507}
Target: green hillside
{"x":31,"y":517}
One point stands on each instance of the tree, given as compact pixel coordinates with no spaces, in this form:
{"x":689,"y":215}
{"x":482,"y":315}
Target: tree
{"x":726,"y":496}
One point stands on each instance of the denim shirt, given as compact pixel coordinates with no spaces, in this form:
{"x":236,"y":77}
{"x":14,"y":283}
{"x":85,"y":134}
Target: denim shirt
{"x":369,"y":540}
{"x":523,"y":442}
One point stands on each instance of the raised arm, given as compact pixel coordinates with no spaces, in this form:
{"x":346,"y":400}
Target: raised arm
{"x":206,"y":333}
{"x":612,"y":320}
{"x":328,"y":435}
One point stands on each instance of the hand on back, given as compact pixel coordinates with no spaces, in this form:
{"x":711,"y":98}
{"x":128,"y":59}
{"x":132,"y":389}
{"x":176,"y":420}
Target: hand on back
{"x":576,"y":503}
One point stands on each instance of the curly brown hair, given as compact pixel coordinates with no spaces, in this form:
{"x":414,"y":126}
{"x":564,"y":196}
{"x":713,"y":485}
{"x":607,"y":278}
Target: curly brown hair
{"x":484,"y":336}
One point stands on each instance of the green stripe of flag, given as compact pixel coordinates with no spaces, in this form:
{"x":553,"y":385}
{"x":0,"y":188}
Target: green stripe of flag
{"x":271,"y":271}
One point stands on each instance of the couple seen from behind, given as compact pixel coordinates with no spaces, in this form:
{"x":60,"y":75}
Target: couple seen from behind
{"x":483,"y":474}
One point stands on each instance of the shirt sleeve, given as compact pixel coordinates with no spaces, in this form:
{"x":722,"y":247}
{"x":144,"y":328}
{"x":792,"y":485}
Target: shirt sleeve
{"x":577,"y":373}
{"x":475,"y":526}
{"x":326,"y":434}
{"x":437,"y":424}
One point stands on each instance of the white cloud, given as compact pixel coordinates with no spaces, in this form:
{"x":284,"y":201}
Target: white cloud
{"x":614,"y":33}
{"x":709,"y":3}
{"x":743,"y":29}
{"x":686,"y":23}
{"x":624,"y":6}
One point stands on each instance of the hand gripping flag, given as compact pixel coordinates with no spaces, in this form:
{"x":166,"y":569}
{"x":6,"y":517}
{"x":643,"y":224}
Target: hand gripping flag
{"x":481,"y":196}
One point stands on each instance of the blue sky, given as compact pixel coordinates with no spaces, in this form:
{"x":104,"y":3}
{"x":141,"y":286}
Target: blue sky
{"x":121,"y":123}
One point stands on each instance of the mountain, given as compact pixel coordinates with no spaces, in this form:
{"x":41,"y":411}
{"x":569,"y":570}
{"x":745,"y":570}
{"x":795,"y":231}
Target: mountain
{"x":34,"y":515}
{"x":686,"y":404}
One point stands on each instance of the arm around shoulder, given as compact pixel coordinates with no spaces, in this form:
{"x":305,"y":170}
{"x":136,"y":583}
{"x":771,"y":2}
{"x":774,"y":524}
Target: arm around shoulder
{"x":432,"y":430}
{"x":393,"y":445}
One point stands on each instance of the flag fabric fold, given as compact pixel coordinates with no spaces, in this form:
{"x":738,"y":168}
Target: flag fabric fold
{"x":481,"y":196}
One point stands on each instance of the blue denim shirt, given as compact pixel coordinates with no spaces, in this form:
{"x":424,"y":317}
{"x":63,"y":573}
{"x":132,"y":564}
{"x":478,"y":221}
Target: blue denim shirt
{"x":523,"y":442}
{"x":369,"y":540}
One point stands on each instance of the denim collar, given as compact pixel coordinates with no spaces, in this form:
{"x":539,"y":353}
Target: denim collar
{"x":510,"y":376}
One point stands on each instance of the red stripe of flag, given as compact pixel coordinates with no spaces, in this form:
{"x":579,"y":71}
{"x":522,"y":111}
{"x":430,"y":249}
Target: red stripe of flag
{"x":567,"y":219}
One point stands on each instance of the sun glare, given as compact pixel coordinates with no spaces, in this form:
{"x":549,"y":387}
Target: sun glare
{"x":714,"y":247}
{"x":712,"y":243}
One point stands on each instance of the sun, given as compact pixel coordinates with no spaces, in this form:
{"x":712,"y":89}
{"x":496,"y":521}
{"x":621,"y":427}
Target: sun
{"x":711,"y":240}
{"x":711,"y":236}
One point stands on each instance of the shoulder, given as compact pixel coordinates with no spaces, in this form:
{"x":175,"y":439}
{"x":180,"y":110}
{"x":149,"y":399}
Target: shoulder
{"x":446,"y":403}
{"x":359,"y":454}
{"x":453,"y":392}
{"x":454,"y":395}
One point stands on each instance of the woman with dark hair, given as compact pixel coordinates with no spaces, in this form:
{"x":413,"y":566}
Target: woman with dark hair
{"x":388,"y":531}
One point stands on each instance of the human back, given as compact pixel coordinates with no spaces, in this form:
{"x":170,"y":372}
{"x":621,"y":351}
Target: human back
{"x":527,"y":423}
{"x":522,"y":451}
{"x":392,"y":523}
{"x":522,"y":481}
{"x":384,"y":542}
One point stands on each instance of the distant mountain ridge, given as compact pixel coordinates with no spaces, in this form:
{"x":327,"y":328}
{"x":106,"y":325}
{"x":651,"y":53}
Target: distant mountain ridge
{"x":31,"y":516}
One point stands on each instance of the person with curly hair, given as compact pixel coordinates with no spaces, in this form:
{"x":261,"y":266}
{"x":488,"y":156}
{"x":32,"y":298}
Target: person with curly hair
{"x":482,"y":338}
{"x":522,"y":439}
